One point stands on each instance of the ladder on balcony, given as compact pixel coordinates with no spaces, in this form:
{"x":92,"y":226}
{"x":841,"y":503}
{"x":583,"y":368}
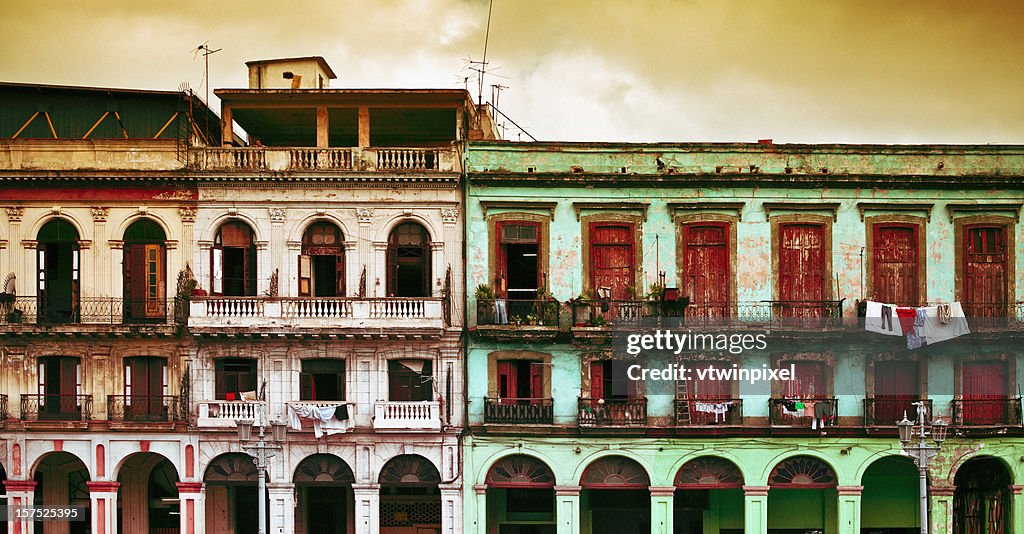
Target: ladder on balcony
{"x":682,"y":408}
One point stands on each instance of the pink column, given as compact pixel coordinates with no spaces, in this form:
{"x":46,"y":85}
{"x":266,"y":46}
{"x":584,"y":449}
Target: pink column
{"x":19,"y":493}
{"x":103,"y":496}
{"x":192,"y":499}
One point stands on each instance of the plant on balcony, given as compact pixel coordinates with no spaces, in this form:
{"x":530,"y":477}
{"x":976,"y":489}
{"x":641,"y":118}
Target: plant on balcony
{"x":484,"y":292}
{"x":516,"y":320}
{"x":656,"y":292}
{"x":531,"y":319}
{"x":7,"y":295}
{"x":598,"y":321}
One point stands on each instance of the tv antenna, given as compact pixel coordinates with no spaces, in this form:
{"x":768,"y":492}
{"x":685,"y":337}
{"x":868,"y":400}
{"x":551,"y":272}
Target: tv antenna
{"x":483,"y":62}
{"x":207,"y":52}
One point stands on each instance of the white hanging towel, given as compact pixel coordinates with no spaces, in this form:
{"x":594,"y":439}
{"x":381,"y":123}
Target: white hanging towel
{"x":935,"y":330}
{"x":882,"y":319}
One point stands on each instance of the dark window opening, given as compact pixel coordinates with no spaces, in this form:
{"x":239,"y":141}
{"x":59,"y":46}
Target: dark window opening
{"x":60,"y":385}
{"x":322,"y":262}
{"x":58,"y":272}
{"x":233,"y":260}
{"x":410,"y":380}
{"x":322,"y":380}
{"x":409,"y":261}
{"x":520,"y":380}
{"x":234,"y":376}
{"x":519,"y":274}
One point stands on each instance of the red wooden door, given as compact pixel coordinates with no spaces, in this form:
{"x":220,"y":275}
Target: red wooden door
{"x":708,"y":389}
{"x":897,"y":385}
{"x":895,"y":264}
{"x":801,"y":269}
{"x":597,"y":380}
{"x":611,"y":259}
{"x":984,"y":393}
{"x":507,"y":383}
{"x":706,"y":269}
{"x":809,"y":381}
{"x":147,"y":387}
{"x":985,"y":271}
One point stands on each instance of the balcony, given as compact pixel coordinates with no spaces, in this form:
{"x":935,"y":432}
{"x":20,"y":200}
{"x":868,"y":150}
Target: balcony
{"x":610,"y":413}
{"x":223,"y":414}
{"x":315,"y":314}
{"x":307,"y":425}
{"x":518,"y":319}
{"x":885,"y":411}
{"x":143,"y":408}
{"x":987,"y":412}
{"x":801,"y":413}
{"x":407,"y":416}
{"x":90,"y":313}
{"x":995,"y":318}
{"x":797,"y":314}
{"x":46,"y":407}
{"x":509,"y":411}
{"x":708,"y":412}
{"x":336,"y":159}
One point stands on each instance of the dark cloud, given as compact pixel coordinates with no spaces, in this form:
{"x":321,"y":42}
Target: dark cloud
{"x":866,"y":71}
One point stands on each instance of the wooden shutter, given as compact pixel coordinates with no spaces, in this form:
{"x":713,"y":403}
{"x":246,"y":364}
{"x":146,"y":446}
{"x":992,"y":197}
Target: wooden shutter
{"x":507,"y":386}
{"x":305,"y":275}
{"x":985,"y":271}
{"x":984,"y":392}
{"x":139,"y":282}
{"x":801,"y":265}
{"x":709,"y":389}
{"x":339,"y":267}
{"x":597,"y":372}
{"x":896,"y":264}
{"x":536,"y":381}
{"x":306,"y":388}
{"x":897,"y":385}
{"x":611,"y":259}
{"x":217,"y":270}
{"x":68,"y":376}
{"x":706,"y":268}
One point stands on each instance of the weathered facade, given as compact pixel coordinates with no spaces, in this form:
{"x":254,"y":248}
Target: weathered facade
{"x":783,"y":240}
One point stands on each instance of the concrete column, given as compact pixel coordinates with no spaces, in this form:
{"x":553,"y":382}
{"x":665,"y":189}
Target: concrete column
{"x":20,"y":493}
{"x":662,"y":509}
{"x":379,"y":268}
{"x":192,"y":500}
{"x":364,"y":127}
{"x":55,"y":493}
{"x":941,"y":498}
{"x":103,"y":499}
{"x":116,"y":263}
{"x":849,"y":509}
{"x":479,"y":526}
{"x":755,"y":509}
{"x":1017,"y":516}
{"x":289,"y":278}
{"x":227,"y":133}
{"x":103,"y":283}
{"x":451,"y":508}
{"x":367,"y":498}
{"x":567,"y":509}
{"x":322,"y":127}
{"x":282,"y":508}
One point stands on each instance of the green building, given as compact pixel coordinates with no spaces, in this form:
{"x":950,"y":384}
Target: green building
{"x":568,"y":242}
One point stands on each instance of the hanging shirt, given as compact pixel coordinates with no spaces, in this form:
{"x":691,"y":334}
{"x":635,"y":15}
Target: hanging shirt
{"x":881,"y":319}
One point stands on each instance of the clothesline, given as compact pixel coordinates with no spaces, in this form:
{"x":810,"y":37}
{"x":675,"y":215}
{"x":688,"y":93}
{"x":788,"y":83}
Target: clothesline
{"x":925,"y":325}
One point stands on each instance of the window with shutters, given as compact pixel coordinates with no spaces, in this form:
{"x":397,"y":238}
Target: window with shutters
{"x":410,"y":380}
{"x":984,"y":387}
{"x":706,"y":253}
{"x":58,"y":275}
{"x":144,"y":269}
{"x":895,"y":262}
{"x":985,"y":271}
{"x":605,"y":384}
{"x":233,"y":260}
{"x":322,"y":380}
{"x":518,"y":259}
{"x":145,"y":387}
{"x":59,"y":387}
{"x":322,"y":261}
{"x":897,"y":385}
{"x":810,"y":380}
{"x":802,"y":265}
{"x":520,"y":381}
{"x":234,"y":376}
{"x":409,"y":261}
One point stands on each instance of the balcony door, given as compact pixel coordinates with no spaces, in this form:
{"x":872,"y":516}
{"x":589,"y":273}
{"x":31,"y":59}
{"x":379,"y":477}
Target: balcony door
{"x":322,"y":262}
{"x":233,"y":260}
{"x":985,"y":395}
{"x":322,"y":380}
{"x":144,"y":270}
{"x":801,"y":269}
{"x":520,"y":381}
{"x":897,"y":385}
{"x":612,"y":257}
{"x":409,"y":261}
{"x":60,"y":384}
{"x":410,"y":380}
{"x":518,"y":262}
{"x":234,"y":376}
{"x":985,"y":271}
{"x":706,"y":269}
{"x":896,"y":264}
{"x":145,"y":385}
{"x":58,"y":272}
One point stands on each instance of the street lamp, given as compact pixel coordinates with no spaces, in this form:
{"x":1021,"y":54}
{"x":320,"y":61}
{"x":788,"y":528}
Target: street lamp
{"x":920,"y":451}
{"x":261,"y":451}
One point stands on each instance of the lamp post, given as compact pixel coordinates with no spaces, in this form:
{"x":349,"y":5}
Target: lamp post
{"x":261,"y":451}
{"x":920,"y":451}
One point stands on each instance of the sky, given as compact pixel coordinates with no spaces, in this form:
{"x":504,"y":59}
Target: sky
{"x":835,"y":71}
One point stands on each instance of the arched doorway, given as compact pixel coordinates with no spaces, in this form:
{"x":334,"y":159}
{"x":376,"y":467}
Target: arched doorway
{"x":61,"y":482}
{"x":323,"y":486}
{"x":147,"y":499}
{"x":409,"y":261}
{"x":802,"y":483}
{"x":145,"y":272}
{"x":615,"y":498}
{"x":521,"y":492}
{"x":233,"y":260}
{"x":322,"y":262}
{"x":982,"y":500}
{"x":708,"y":489}
{"x":231,"y":495}
{"x":58,"y":272}
{"x":409,"y":497}
{"x":889,"y":502}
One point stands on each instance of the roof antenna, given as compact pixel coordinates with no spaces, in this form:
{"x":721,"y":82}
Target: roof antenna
{"x":205,"y":49}
{"x":483,"y":63}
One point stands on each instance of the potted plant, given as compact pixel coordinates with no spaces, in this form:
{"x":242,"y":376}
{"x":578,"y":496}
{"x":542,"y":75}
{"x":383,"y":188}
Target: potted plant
{"x":517,"y":320}
{"x":531,"y":319}
{"x":485,"y":305}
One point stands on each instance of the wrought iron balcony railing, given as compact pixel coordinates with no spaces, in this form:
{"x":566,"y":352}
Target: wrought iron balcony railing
{"x":518,"y":312}
{"x":604,"y":311}
{"x":46,"y":407}
{"x":32,"y":310}
{"x":807,"y":412}
{"x":700,"y":412}
{"x":884,"y":411}
{"x":612,"y":412}
{"x":987,"y":412}
{"x":143,"y":408}
{"x":510,"y":411}
{"x":791,"y":313}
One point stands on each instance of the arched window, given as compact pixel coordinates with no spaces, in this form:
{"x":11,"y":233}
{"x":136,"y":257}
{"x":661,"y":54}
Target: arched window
{"x":233,"y":260}
{"x":802,"y":472}
{"x":409,"y":470}
{"x":409,"y":261}
{"x":58,"y":272}
{"x":144,"y":269}
{"x":709,"y":472}
{"x":322,"y":262}
{"x":520,"y":471}
{"x":615,"y":472}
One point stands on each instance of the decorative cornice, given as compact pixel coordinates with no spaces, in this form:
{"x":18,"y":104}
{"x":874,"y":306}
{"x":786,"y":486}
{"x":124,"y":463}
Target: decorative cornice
{"x":617,"y":206}
{"x":925,"y":207}
{"x":737,"y":207}
{"x":801,"y":206}
{"x":15,"y":213}
{"x":171,"y":244}
{"x":116,"y":244}
{"x":849,"y":490}
{"x":567,"y":491}
{"x":29,"y":243}
{"x":84,"y":244}
{"x":1006,"y":207}
{"x":20,"y":485}
{"x":756,"y":491}
{"x":519,"y":205}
